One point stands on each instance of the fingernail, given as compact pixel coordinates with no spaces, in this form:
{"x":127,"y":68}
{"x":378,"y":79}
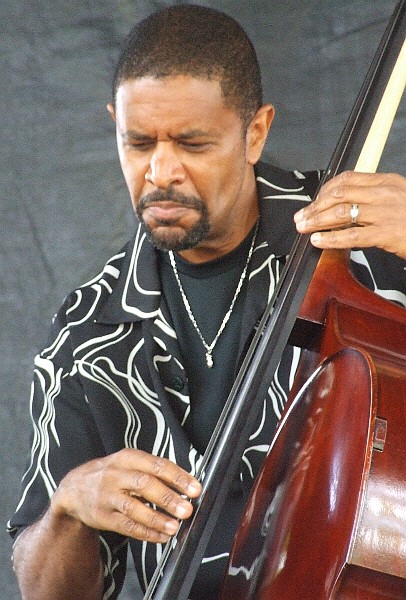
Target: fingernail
{"x":194,"y":487}
{"x":181,"y":510}
{"x":171,"y":527}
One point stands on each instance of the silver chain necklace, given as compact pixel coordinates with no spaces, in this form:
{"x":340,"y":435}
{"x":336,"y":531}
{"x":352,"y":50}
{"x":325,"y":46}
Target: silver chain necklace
{"x":210,"y":347}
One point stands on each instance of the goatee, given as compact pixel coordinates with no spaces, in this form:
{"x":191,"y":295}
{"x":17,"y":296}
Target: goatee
{"x":176,"y":242}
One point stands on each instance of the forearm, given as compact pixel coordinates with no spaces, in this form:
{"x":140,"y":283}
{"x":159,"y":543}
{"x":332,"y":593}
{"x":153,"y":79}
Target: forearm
{"x":58,"y":558}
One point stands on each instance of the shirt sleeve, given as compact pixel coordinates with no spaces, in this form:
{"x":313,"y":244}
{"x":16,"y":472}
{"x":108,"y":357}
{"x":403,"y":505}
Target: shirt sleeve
{"x":382,"y":272}
{"x":63,"y":436}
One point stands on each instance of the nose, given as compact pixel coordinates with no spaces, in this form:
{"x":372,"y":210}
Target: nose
{"x":165,"y":169}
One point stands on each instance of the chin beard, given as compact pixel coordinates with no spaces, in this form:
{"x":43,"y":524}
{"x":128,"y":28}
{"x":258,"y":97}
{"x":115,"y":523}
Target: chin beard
{"x":165,"y":239}
{"x":177,"y":243}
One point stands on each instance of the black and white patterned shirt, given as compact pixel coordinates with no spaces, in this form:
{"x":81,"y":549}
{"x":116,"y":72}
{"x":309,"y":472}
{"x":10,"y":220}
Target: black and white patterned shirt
{"x":112,"y":375}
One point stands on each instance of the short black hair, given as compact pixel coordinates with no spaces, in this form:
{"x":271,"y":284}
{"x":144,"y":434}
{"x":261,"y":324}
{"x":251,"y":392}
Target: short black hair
{"x":193,"y":40}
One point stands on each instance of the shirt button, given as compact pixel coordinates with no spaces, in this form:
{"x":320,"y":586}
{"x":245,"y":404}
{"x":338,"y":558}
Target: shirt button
{"x":178,"y":383}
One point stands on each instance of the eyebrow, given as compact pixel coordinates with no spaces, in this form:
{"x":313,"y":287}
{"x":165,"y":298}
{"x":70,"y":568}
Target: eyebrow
{"x":186,"y":135}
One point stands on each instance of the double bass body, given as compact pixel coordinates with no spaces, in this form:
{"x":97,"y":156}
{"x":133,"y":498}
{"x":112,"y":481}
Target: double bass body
{"x":327,"y":514}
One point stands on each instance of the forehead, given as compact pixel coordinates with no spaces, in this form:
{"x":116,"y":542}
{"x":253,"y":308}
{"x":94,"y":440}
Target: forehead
{"x":177,"y":98}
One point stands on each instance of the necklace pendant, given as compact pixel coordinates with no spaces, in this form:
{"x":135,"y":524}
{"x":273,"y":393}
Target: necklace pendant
{"x":209,"y":360}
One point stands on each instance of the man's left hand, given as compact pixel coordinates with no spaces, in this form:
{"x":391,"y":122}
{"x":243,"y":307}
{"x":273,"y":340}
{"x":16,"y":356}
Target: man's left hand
{"x":358,"y":210}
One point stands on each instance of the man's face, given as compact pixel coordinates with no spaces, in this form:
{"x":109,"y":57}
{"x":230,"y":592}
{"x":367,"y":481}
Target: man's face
{"x":187,"y":164}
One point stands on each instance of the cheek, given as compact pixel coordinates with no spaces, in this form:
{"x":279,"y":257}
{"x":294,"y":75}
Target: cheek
{"x":226,"y":183}
{"x":134,"y":177}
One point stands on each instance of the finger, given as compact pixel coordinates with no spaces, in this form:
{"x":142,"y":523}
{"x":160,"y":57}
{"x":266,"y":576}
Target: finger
{"x":340,"y":215}
{"x":389,"y":239}
{"x":387,"y":213}
{"x":153,"y":490}
{"x":352,"y":237}
{"x":340,"y":193}
{"x":343,"y":186}
{"x":135,"y":519}
{"x":329,"y":195}
{"x":162,"y":469}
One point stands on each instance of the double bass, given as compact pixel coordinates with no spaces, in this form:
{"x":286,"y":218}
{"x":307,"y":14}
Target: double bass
{"x":326,"y":517}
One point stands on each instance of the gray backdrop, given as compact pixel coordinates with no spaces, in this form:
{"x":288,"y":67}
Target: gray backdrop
{"x":64,"y":206}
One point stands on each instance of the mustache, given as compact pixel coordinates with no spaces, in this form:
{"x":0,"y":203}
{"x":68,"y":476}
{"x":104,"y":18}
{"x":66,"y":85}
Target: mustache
{"x":170,"y":195}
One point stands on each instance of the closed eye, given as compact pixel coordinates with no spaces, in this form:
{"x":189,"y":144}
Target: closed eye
{"x":145,"y":145}
{"x":194,"y":146}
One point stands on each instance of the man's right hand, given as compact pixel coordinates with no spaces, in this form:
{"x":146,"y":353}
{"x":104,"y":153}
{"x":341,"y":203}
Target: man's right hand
{"x":130,"y":492}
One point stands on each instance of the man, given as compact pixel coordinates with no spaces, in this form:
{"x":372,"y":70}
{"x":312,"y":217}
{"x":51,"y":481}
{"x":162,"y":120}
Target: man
{"x":142,"y":358}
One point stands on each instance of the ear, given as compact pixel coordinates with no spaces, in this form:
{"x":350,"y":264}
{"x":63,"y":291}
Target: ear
{"x":257,"y":132}
{"x":111,"y":110}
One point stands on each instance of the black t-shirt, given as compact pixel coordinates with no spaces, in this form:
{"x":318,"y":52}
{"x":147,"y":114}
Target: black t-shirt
{"x":209,"y":288}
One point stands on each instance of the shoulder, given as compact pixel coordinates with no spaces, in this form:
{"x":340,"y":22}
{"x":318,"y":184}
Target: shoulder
{"x":80,"y":307}
{"x":294,"y":186}
{"x":125,"y":291}
{"x":91,"y":296}
{"x":281,"y":193}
